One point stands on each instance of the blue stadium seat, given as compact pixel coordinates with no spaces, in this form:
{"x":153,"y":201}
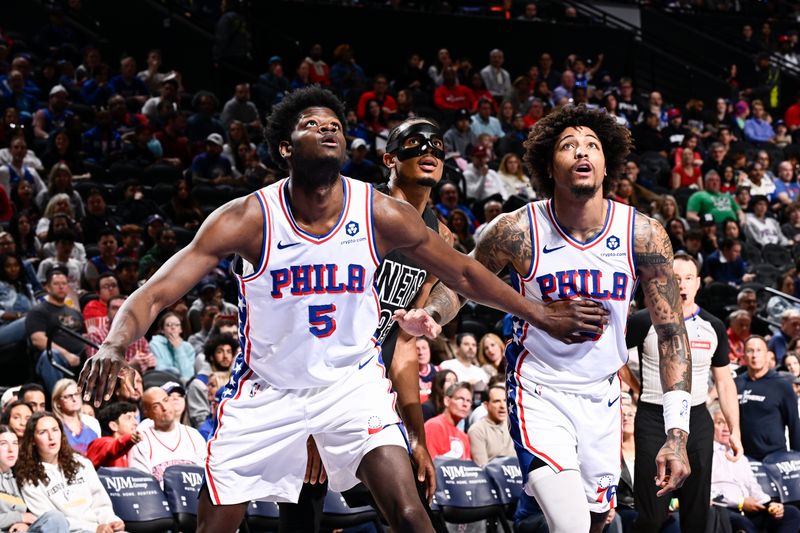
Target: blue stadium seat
{"x":261,"y":517}
{"x":506,"y":475}
{"x":182,"y":484}
{"x":137,"y":499}
{"x":337,"y":514}
{"x":763,"y":478}
{"x":783,"y":468}
{"x":465,"y":494}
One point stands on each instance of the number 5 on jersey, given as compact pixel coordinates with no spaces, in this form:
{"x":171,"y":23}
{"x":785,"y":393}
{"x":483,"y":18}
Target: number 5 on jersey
{"x":322,"y":324}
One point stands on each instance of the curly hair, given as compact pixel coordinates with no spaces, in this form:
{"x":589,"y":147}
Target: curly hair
{"x":214,"y":342}
{"x":29,"y":468}
{"x":615,"y":140}
{"x":284,"y":116}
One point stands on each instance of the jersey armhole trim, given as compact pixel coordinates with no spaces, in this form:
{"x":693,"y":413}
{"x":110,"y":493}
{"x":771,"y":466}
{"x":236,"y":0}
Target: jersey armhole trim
{"x":534,"y":232}
{"x":631,"y":243}
{"x":373,"y":244}
{"x":266,"y":243}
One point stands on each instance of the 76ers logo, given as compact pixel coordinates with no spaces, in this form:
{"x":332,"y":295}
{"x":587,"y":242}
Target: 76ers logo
{"x":605,"y":490}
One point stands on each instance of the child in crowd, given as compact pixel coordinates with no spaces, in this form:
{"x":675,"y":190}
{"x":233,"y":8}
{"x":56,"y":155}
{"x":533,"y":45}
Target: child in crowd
{"x":118,"y":422}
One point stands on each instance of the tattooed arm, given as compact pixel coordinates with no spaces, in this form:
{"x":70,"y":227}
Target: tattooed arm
{"x":653,"y":256}
{"x":506,"y":242}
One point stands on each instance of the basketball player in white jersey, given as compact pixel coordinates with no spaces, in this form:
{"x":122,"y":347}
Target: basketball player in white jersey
{"x":309,"y":248}
{"x":577,"y":245}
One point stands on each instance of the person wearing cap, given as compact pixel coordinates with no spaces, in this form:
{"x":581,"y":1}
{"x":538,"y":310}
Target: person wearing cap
{"x":210,"y":167}
{"x":271,"y":86}
{"x":459,"y":139}
{"x":55,"y":115}
{"x":209,"y":292}
{"x":177,"y":395}
{"x":675,"y":131}
{"x":761,"y":229}
{"x":358,"y":166}
{"x":165,"y":441}
{"x":482,"y":181}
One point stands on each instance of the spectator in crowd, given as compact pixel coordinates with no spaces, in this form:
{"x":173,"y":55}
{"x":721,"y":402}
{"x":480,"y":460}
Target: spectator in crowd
{"x":164,"y":248}
{"x":137,"y":354}
{"x":449,"y":200}
{"x":726,"y":265}
{"x":16,"y":415}
{"x":167,"y":94}
{"x":757,"y":129}
{"x":459,"y":139}
{"x":489,"y":437}
{"x":79,"y":428}
{"x":427,"y":371}
{"x":686,"y":174}
{"x":735,"y":487}
{"x":18,"y":169}
{"x":241,"y":108}
{"x":757,"y":179}
{"x":14,"y":515}
{"x":167,"y":442}
{"x":118,"y":422}
{"x":379,"y":93}
{"x":435,"y":403}
{"x":482,"y":181}
{"x":346,"y":74}
{"x":787,"y":190}
{"x":102,"y":266}
{"x":484,"y":122}
{"x":459,"y":226}
{"x":128,"y":84}
{"x":441,"y":432}
{"x":52,"y":477}
{"x":648,"y":135}
{"x":747,"y":299}
{"x":358,"y":166}
{"x":183,"y":209}
{"x":209,"y":293}
{"x":207,"y":316}
{"x":177,"y":395}
{"x":464,"y":363}
{"x":152,"y":76}
{"x":675,"y":132}
{"x":16,"y":298}
{"x":56,"y":115}
{"x":173,"y":354}
{"x":219,"y":352}
{"x":491,"y":355}
{"x":495,"y":77}
{"x":738,"y":331}
{"x":34,"y":395}
{"x":514,"y":178}
{"x":767,"y":404}
{"x":720,"y":205}
{"x":214,"y":398}
{"x":790,"y":329}
{"x":64,"y":246}
{"x":761,"y":229}
{"x":45,"y":321}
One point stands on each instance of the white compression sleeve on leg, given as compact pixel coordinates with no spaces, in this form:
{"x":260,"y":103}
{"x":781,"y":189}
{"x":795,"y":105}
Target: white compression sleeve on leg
{"x":562,"y":498}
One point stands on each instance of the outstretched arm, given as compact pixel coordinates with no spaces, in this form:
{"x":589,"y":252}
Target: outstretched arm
{"x":220,"y":235}
{"x":471,"y":279}
{"x":653,"y":256}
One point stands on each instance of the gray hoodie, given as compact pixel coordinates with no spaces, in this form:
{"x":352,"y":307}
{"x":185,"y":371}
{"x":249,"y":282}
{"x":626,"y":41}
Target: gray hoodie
{"x":11,"y":504}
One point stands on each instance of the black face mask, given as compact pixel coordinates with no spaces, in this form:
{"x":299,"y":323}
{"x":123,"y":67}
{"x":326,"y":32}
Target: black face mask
{"x":428,"y":132}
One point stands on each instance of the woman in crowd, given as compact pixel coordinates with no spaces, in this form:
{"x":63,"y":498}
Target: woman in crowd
{"x":667,"y":210}
{"x":61,"y":149}
{"x":14,"y":515}
{"x":21,"y":228}
{"x":676,"y":233}
{"x":514,"y":178}
{"x":173,"y":354}
{"x":24,"y":199}
{"x":491,"y":354}
{"x":183,"y":209}
{"x":237,"y":136}
{"x":16,"y":298}
{"x":435,"y":404}
{"x":611,"y":105}
{"x":16,"y":416}
{"x":730,"y":179}
{"x":59,"y":181}
{"x":732,"y":230}
{"x":457,"y":223}
{"x":79,"y":429}
{"x":791,"y":364}
{"x":52,"y":477}
{"x":685,"y":174}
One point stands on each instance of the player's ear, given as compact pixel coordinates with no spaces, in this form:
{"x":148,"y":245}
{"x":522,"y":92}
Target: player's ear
{"x":389,"y":160}
{"x":285,"y":149}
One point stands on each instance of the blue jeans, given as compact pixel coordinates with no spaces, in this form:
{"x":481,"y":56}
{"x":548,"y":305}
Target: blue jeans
{"x":50,"y":522}
{"x":13,"y":332}
{"x":50,"y":374}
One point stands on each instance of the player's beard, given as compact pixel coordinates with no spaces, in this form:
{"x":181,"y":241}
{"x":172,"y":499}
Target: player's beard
{"x":426,"y":182}
{"x":583,"y":191}
{"x":317,"y":172}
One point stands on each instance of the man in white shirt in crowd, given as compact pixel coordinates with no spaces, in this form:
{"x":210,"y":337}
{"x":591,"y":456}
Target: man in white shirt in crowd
{"x":464,"y":363}
{"x":166,"y":442}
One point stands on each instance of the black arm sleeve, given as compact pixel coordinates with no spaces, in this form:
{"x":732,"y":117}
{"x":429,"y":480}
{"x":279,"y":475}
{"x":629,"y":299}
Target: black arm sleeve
{"x":638,"y":325}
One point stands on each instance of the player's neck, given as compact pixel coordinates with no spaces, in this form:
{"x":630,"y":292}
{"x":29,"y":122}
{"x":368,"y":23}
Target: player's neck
{"x":416,"y":195}
{"x":582,"y":217}
{"x":310,"y":205}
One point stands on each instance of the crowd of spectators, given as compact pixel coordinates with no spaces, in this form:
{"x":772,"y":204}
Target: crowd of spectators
{"x":107,"y":169}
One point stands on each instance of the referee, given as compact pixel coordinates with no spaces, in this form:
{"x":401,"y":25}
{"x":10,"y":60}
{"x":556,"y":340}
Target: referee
{"x":709,"y":347}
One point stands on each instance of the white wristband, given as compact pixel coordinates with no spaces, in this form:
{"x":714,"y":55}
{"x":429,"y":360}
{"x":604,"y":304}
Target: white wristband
{"x":677,"y":404}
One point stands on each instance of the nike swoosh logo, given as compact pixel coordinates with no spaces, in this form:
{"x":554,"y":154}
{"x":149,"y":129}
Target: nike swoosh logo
{"x":548,"y":250}
{"x":362,"y":365}
{"x":610,"y":402}
{"x":281,"y":246}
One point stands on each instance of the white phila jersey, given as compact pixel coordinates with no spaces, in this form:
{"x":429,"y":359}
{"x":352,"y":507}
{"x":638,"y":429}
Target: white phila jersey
{"x":601,"y":269}
{"x":308,"y":310}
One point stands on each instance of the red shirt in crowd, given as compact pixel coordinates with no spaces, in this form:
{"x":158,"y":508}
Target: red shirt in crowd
{"x":110,"y":451}
{"x":445,"y":439}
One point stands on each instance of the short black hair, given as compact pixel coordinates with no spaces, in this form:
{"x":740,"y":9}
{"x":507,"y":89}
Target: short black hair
{"x":111,"y":413}
{"x":30,"y":387}
{"x":105,"y":232}
{"x":615,"y":140}
{"x":214,"y":342}
{"x":284,"y":116}
{"x":107,"y":274}
{"x":55,"y":271}
{"x":460,"y":337}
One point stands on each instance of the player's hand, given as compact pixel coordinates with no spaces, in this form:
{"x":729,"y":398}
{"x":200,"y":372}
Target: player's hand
{"x":315,"y":470}
{"x":672,"y":462}
{"x":417,"y":322}
{"x":736,"y":451}
{"x":423,"y":468}
{"x":572,"y":321}
{"x":99,"y":375}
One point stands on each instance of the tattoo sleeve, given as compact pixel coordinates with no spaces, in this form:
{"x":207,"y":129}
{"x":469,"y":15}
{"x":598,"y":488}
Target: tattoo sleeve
{"x":504,"y":241}
{"x":653,"y":255}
